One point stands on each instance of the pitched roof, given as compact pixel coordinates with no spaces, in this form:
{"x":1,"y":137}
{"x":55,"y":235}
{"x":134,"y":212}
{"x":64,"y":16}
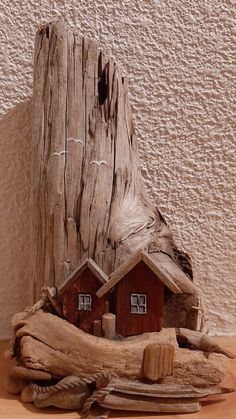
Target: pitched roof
{"x":162,"y":266}
{"x":92,"y":266}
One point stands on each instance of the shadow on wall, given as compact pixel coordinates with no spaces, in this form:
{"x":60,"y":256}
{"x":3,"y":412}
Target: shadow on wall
{"x":15,"y":167}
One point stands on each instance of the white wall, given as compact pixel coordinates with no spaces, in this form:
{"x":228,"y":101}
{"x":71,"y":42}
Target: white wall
{"x":178,"y":56}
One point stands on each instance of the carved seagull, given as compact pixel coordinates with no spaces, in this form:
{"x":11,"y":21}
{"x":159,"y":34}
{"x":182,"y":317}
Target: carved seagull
{"x":59,"y":153}
{"x":75,"y":140}
{"x":99,"y":163}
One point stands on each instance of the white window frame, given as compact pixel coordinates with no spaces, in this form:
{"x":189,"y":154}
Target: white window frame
{"x":138,"y":303}
{"x":84,"y":302}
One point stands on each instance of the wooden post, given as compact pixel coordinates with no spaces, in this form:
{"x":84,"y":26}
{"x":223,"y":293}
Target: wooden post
{"x":109,"y":325}
{"x":97,"y":328}
{"x":158,"y":360}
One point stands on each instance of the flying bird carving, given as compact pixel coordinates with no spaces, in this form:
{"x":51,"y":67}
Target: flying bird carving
{"x":75,"y":140}
{"x":59,"y":153}
{"x":99,"y":163}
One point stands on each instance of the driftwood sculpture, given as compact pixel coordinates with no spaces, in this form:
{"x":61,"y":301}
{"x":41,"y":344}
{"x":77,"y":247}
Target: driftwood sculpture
{"x":90,"y":207}
{"x":88,"y":194}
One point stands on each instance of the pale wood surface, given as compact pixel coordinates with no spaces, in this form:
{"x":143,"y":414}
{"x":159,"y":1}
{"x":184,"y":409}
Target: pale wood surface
{"x":88,"y":194}
{"x":158,"y":360}
{"x":50,"y":343}
{"x":47,"y":342}
{"x":11,"y":407}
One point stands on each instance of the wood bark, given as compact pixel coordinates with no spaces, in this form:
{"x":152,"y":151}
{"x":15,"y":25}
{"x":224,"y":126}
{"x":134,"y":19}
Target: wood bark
{"x":88,"y":195}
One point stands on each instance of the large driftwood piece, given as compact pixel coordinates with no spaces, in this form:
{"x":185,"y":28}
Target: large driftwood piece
{"x":51,"y":344}
{"x":48,"y":343}
{"x":88,"y":194}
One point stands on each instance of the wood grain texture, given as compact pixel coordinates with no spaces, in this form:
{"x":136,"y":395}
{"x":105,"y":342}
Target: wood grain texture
{"x":48,"y":343}
{"x":150,"y":404}
{"x":86,"y":264}
{"x":11,"y":406}
{"x":51,"y":344}
{"x":109,"y":325}
{"x":171,"y":275}
{"x":161,"y":265}
{"x":158,"y":361}
{"x":88,"y":195}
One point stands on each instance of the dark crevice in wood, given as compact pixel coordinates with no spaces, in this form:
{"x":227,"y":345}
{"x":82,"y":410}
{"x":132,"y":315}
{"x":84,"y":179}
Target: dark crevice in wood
{"x":102,"y":88}
{"x":47,"y":32}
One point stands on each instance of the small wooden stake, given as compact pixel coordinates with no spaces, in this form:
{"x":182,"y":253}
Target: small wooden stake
{"x":109,"y":325}
{"x":97,"y":328}
{"x":158,"y":361}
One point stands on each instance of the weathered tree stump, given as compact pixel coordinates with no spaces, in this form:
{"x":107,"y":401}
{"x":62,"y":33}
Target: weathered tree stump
{"x":88,"y":195}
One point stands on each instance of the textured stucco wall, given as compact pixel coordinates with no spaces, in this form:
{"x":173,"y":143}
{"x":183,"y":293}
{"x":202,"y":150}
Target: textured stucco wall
{"x":178,"y":56}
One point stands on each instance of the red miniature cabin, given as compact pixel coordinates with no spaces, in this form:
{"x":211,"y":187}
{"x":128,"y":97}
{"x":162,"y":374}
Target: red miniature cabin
{"x":138,"y":291}
{"x":134,"y":293}
{"x":81,"y":306}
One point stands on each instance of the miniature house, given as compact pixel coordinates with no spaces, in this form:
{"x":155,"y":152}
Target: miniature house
{"x":134,"y":294}
{"x":138,"y":291}
{"x":80,"y":304}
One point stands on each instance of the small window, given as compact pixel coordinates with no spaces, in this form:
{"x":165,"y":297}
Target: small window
{"x":138,"y":304}
{"x":85,"y":302}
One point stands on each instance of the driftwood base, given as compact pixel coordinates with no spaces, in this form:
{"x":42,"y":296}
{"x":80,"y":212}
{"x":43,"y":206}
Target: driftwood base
{"x":76,"y":369}
{"x":51,"y":346}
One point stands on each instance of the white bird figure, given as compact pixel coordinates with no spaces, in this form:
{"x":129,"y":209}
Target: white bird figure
{"x":99,"y":163}
{"x":75,"y":140}
{"x":59,"y":153}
